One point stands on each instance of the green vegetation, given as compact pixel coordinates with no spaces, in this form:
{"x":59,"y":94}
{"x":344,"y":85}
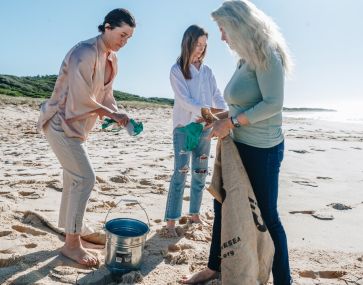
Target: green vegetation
{"x":42,"y":87}
{"x":27,"y":86}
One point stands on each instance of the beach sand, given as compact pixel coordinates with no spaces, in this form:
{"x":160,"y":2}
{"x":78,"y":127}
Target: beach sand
{"x":320,"y":201}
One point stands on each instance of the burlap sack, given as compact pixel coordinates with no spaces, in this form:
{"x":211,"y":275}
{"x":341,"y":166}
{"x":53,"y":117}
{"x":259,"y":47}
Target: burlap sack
{"x":247,"y":249}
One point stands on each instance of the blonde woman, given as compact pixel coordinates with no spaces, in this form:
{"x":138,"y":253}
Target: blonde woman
{"x":255,"y":96}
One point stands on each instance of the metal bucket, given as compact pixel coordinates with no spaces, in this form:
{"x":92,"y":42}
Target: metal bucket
{"x":125,"y":240}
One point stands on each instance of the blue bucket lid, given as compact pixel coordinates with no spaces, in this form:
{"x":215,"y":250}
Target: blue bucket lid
{"x":127,"y":227}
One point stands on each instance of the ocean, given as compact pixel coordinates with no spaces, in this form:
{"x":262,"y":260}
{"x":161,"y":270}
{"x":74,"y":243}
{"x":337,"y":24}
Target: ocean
{"x":333,"y":116}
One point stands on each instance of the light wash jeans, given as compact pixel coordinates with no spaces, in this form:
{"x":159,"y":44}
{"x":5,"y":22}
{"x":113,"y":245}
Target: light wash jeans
{"x":199,"y":172}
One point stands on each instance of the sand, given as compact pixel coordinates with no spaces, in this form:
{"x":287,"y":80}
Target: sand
{"x":320,"y":201}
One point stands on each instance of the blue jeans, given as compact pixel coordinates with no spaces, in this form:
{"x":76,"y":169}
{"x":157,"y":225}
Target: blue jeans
{"x":262,"y":166}
{"x":199,"y":172}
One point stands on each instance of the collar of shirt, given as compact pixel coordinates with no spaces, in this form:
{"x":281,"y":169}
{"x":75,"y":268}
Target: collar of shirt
{"x":195,"y":70}
{"x":102,"y":49}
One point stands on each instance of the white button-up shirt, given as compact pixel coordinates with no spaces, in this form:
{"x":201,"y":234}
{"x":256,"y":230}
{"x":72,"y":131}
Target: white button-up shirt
{"x":190,"y":95}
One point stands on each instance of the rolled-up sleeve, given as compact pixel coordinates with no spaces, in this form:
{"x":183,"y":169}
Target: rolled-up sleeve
{"x":180,"y":88}
{"x":271,"y":84}
{"x":81,"y":101}
{"x":109,"y":100}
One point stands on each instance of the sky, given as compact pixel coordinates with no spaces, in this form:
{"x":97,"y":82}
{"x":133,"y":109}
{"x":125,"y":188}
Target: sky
{"x":324,"y":36}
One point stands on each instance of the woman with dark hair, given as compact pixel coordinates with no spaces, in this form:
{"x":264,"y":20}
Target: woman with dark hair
{"x":82,"y":93}
{"x":255,"y":95}
{"x":194,"y":87}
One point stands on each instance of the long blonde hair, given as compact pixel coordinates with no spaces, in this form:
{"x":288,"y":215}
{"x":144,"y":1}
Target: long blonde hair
{"x":251,"y":33}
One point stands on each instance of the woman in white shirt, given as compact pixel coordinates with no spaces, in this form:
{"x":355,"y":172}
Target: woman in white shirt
{"x":194,"y":87}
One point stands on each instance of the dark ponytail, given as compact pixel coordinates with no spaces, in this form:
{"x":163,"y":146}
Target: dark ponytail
{"x":116,"y":18}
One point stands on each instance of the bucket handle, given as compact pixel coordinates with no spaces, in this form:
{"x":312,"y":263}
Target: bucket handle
{"x":130,"y":201}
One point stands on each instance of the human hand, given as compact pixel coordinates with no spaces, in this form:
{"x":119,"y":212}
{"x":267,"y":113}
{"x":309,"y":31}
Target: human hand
{"x":200,"y":120}
{"x":216,"y":111}
{"x":208,"y":116}
{"x":220,"y":128}
{"x":121,"y":119}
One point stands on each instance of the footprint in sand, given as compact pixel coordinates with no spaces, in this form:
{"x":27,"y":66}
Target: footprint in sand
{"x":131,"y":278}
{"x":307,"y":212}
{"x":161,"y":177}
{"x":182,"y":257}
{"x":31,"y":245}
{"x":100,"y":179}
{"x":28,"y":230}
{"x":63,"y":278}
{"x":324,"y":178}
{"x":173,"y":247}
{"x":305,"y":183}
{"x":322,"y":274}
{"x":164,"y":232}
{"x":198,"y":235}
{"x":209,"y":215}
{"x":7,"y":251}
{"x":322,"y":216}
{"x":195,"y":231}
{"x":158,"y":190}
{"x":26,"y":182}
{"x":29,"y":194}
{"x":121,"y":179}
{"x":107,"y":187}
{"x":9,"y":259}
{"x":145,"y":182}
{"x":319,"y":216}
{"x":4,"y":205}
{"x":340,"y":206}
{"x":5,"y":233}
{"x":317,"y":149}
{"x":301,"y":151}
{"x":54,"y":184}
{"x":32,"y":163}
{"x":31,"y":174}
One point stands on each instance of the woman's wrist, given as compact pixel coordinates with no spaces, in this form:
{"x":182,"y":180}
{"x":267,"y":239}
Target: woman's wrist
{"x":112,"y":115}
{"x":230,"y":123}
{"x":222,"y":115}
{"x":242,"y":119}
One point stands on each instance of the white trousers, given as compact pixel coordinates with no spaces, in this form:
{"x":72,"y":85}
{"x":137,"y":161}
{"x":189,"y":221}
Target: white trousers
{"x":78,"y":176}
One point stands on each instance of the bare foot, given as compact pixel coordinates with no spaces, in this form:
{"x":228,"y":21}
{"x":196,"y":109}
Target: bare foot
{"x":74,"y":250}
{"x":200,"y":277}
{"x":79,"y":255}
{"x":170,"y":228}
{"x":171,"y":232}
{"x":195,"y":219}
